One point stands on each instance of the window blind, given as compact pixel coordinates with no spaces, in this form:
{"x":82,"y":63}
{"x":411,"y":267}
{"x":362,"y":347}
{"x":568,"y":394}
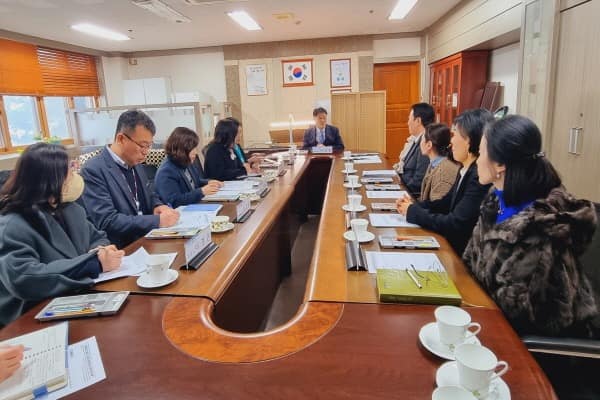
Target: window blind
{"x":67,"y":74}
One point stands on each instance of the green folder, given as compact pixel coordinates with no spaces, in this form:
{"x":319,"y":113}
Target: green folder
{"x":397,"y":286}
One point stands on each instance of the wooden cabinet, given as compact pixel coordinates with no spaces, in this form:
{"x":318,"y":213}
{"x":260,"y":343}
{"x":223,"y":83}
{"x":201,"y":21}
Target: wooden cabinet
{"x":360,"y":116}
{"x":457,"y":82}
{"x":574,"y":143}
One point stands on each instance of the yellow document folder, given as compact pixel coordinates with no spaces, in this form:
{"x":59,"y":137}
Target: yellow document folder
{"x":398,"y":286}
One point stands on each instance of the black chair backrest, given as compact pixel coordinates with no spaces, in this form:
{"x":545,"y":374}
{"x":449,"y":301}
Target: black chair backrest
{"x":590,"y":260}
{"x":4,"y":175}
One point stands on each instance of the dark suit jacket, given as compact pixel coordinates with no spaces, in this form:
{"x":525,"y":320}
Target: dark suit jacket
{"x":109,"y":203}
{"x":46,"y":261}
{"x":415,"y":167}
{"x":332,"y":138}
{"x":219,"y":165}
{"x":173,"y":187}
{"x":453,"y":216}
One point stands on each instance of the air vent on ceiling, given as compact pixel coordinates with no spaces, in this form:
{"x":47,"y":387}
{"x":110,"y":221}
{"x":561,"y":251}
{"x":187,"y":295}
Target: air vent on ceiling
{"x":284,"y":16}
{"x":210,"y":2}
{"x":161,"y":9}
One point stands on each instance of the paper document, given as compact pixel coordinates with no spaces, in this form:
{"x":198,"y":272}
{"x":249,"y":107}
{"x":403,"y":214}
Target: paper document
{"x":131,"y":265}
{"x":85,"y":368}
{"x":390,"y":220}
{"x":386,"y":194}
{"x":367,"y":160}
{"x":397,"y":260}
{"x":380,"y":172}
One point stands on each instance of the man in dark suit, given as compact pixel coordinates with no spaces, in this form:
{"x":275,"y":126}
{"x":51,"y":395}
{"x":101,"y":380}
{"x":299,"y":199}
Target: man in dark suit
{"x":413,"y":164}
{"x":322,"y":134}
{"x":118,"y":196}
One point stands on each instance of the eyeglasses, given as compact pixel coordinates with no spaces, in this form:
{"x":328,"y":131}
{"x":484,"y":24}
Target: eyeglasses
{"x":143,"y":147}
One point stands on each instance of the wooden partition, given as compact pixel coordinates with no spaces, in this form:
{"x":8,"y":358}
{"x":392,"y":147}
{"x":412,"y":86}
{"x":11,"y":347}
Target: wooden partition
{"x":361,"y":119}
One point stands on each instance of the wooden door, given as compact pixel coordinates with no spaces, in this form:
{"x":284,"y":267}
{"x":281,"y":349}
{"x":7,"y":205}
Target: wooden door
{"x":573,"y":119}
{"x":401,"y":83}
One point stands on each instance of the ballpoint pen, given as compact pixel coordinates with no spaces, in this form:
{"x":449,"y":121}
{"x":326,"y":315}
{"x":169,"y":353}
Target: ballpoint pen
{"x":414,"y":279}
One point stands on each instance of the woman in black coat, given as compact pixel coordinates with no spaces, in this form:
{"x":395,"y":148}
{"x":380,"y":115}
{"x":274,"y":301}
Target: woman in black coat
{"x":455,"y":215}
{"x":221,"y":162}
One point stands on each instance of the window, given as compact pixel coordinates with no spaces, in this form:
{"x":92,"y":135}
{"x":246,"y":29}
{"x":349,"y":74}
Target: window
{"x":80,"y":103}
{"x":56,"y":115}
{"x":23,"y":122}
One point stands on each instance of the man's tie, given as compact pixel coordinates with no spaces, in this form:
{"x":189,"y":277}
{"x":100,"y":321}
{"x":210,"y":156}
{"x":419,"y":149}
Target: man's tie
{"x":321,"y":136}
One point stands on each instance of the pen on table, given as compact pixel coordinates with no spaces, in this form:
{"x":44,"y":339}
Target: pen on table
{"x":414,"y":279}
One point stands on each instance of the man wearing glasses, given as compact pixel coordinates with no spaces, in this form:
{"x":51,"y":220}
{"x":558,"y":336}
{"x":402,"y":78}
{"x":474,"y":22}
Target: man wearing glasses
{"x":118,"y":197}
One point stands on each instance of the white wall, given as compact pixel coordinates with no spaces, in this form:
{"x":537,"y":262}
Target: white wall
{"x":114,"y":70}
{"x":389,"y":50}
{"x":504,"y":67}
{"x":203,"y":73}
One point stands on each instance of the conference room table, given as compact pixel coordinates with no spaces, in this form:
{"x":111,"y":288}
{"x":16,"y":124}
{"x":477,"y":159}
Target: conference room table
{"x":204,"y":336}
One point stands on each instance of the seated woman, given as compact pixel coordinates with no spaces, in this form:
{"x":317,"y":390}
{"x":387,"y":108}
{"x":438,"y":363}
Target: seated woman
{"x":525,"y":247}
{"x":47,"y":247}
{"x":220,"y":161}
{"x":454,"y":215}
{"x":250,"y":163}
{"x":178,"y":182}
{"x":442,"y":171}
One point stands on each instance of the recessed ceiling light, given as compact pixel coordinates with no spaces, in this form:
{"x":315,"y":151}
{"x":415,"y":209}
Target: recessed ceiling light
{"x":245,"y":20}
{"x":99,"y":32}
{"x":402,"y":8}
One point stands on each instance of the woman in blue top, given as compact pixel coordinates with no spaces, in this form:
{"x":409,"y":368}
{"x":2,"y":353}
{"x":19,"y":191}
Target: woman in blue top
{"x":178,"y":182}
{"x":530,"y":234}
{"x":250,"y":163}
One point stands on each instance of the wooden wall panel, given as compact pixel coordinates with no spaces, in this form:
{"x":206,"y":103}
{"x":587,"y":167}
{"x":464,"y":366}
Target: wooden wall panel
{"x":344,"y":111}
{"x":372,"y":122}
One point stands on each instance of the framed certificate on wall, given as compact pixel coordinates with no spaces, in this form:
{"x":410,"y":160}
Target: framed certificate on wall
{"x":340,"y":74}
{"x":297,"y":72}
{"x":256,"y":80}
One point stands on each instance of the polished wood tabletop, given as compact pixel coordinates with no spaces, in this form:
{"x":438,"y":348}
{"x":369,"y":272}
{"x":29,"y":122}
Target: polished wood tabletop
{"x":203,"y":337}
{"x":372,"y":352}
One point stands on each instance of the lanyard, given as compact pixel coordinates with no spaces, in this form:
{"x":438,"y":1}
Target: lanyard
{"x":134,"y":193}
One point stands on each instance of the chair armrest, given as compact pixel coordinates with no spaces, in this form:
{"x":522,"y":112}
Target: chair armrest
{"x":587,"y":348}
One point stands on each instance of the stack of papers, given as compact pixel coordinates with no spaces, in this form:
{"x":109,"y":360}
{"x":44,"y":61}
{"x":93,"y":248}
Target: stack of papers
{"x":386,"y":194}
{"x":380,"y":172}
{"x":390,"y":220}
{"x":366,"y":159}
{"x":402,"y":260}
{"x":132,"y":265}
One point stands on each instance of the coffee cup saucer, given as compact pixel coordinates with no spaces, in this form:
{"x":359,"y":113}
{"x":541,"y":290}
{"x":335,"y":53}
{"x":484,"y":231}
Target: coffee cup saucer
{"x":224,"y":228}
{"x":365,"y":237}
{"x":360,"y":208}
{"x":430,"y":339}
{"x":146,"y":282}
{"x":352,"y":171}
{"x":452,"y":393}
{"x":447,"y":375}
{"x":349,"y":186}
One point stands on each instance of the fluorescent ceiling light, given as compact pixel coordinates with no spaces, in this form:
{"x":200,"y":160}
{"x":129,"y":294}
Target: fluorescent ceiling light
{"x":162,"y":10}
{"x":402,"y":8}
{"x":245,"y":20}
{"x":99,"y":32}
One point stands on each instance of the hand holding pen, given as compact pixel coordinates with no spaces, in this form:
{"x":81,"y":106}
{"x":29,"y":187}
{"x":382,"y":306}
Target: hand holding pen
{"x":10,"y":360}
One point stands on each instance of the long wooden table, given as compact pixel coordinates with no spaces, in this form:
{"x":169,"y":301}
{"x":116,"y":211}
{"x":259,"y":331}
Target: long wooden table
{"x":201,"y":337}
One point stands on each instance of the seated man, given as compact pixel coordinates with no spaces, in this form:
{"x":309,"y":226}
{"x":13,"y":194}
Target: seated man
{"x":118,"y":197}
{"x":413,"y":164}
{"x":322,"y":134}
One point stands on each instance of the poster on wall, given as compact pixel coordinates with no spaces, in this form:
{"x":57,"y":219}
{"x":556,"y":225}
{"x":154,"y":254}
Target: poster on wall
{"x":297,"y":72}
{"x":256,"y":79}
{"x":340,"y":73}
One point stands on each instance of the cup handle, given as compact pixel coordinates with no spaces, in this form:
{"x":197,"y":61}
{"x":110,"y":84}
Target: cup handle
{"x":504,"y":364}
{"x":472,"y":333}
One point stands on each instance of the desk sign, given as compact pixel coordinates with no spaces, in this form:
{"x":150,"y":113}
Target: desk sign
{"x":322,"y":150}
{"x":196,"y":244}
{"x":242,"y":209}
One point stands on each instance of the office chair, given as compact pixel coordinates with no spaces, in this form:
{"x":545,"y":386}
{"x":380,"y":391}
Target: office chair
{"x":4,"y":175}
{"x":572,"y":364}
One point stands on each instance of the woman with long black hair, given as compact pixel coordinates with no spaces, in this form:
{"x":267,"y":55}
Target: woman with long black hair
{"x":47,"y":245}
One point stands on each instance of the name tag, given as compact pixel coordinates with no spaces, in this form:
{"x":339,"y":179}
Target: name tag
{"x":196,"y":244}
{"x":242,"y":208}
{"x":322,"y":150}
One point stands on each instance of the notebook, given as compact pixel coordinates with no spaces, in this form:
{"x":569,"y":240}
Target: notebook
{"x":44,"y":365}
{"x":401,"y":286}
{"x":85,"y":305}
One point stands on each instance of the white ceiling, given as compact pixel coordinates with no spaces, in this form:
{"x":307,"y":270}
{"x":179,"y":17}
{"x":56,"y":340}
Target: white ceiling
{"x":210,"y":26}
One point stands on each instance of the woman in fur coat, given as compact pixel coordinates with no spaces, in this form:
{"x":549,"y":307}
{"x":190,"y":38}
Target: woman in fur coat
{"x":530,"y":234}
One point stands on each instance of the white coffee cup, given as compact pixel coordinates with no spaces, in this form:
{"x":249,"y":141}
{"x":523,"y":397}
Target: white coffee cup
{"x":354,"y":201}
{"x":347,"y":154}
{"x":157,"y":267}
{"x":359,"y":226}
{"x":219,"y":222}
{"x":349,"y":166}
{"x":353,"y":180}
{"x":477,"y":367}
{"x":453,"y":325}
